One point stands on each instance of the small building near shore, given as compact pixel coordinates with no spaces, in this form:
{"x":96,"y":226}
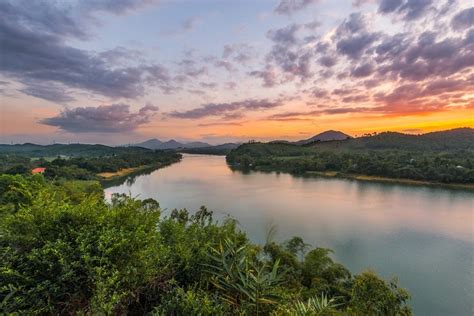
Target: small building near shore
{"x":38,"y":170}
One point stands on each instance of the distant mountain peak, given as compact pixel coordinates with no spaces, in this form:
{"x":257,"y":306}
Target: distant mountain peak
{"x":325,"y":136}
{"x":170,"y":144}
{"x":153,"y":140}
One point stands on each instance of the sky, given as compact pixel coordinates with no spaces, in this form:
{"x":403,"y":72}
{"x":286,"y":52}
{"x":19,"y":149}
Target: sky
{"x":123,"y":71}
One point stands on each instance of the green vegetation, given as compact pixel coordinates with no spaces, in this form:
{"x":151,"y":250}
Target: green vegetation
{"x":69,"y":150}
{"x":206,"y":151}
{"x":92,"y":165}
{"x":64,"y":253}
{"x":443,"y":157}
{"x":219,"y":150}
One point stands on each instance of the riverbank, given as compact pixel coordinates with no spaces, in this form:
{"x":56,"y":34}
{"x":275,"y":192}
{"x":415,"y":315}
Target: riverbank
{"x":360,"y":177}
{"x":114,"y":178}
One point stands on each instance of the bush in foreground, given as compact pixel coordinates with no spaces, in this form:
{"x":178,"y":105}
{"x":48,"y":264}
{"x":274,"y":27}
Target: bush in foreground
{"x":89,"y":256}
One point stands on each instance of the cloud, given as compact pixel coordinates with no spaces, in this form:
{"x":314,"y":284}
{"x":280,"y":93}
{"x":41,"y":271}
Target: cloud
{"x":463,"y":19}
{"x":352,"y":37}
{"x":425,"y":66}
{"x":115,"y":118}
{"x":197,"y":92}
{"x":353,"y":24}
{"x":293,"y":57}
{"x":240,"y":53}
{"x":220,"y":124}
{"x":220,"y":63}
{"x":65,"y":19}
{"x":231,"y":85}
{"x":288,"y":7}
{"x":120,"y":54}
{"x":363,"y":70}
{"x":406,"y":9}
{"x":344,"y":91}
{"x":190,"y":69}
{"x":359,"y":3}
{"x":186,"y":26}
{"x":286,"y":35}
{"x":428,"y":58}
{"x":34,"y":51}
{"x":48,"y":92}
{"x":356,"y":98}
{"x":191,"y":23}
{"x":413,"y":9}
{"x":392,"y":46}
{"x":312,"y":25}
{"x":434,"y":95}
{"x":319,"y":93}
{"x":389,"y":6}
{"x":225,"y":109}
{"x":115,"y":6}
{"x":208,"y":85}
{"x":354,"y":46}
{"x":296,"y":116}
{"x":269,"y":76}
{"x":328,"y":61}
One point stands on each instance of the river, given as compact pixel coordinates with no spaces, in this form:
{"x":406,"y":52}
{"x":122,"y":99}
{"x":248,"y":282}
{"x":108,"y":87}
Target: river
{"x":423,"y":235}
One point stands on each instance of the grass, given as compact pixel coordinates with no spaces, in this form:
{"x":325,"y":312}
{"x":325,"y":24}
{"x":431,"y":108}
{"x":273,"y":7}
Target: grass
{"x":119,"y":173}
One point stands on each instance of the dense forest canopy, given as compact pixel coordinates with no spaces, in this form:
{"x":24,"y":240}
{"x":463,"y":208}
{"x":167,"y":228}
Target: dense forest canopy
{"x":67,"y":250}
{"x":80,"y":162}
{"x":70,"y":150}
{"x":444,"y":157}
{"x":456,"y":139}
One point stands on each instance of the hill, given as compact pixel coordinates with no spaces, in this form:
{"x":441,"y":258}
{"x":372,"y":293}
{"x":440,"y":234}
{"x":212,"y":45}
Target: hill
{"x":324,"y":137}
{"x":439,"y":157}
{"x":455,"y":139}
{"x":171,"y":144}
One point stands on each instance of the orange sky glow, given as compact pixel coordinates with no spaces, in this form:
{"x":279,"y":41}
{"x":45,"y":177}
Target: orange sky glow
{"x":161,"y":70}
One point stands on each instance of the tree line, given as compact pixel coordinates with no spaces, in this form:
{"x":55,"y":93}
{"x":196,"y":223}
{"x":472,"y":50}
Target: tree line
{"x":456,"y":166}
{"x":86,"y":167}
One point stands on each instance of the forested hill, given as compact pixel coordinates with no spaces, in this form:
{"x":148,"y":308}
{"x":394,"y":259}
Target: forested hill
{"x":76,"y":150}
{"x":441,"y":157}
{"x":455,"y":139}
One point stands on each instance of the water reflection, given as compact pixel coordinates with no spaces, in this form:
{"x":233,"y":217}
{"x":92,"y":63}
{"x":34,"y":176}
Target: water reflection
{"x":424,"y":235}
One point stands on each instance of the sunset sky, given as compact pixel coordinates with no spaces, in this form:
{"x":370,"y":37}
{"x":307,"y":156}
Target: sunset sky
{"x":122,"y":71}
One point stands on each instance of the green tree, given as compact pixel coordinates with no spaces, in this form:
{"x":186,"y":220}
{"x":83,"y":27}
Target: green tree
{"x":373,"y":296}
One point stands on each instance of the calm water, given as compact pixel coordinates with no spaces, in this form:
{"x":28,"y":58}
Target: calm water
{"x":423,"y":235}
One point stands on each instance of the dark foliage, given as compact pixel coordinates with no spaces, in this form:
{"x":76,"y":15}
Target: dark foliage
{"x":63,"y":254}
{"x":437,"y":157}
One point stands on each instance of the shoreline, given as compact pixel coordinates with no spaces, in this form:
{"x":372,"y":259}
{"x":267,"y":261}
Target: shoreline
{"x":361,"y":177}
{"x":119,"y":173}
{"x":114,"y":178}
{"x":367,"y":178}
{"x":107,"y":179}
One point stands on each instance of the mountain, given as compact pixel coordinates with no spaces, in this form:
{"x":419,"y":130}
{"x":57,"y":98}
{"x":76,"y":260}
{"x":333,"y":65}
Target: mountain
{"x":196,"y":145}
{"x":455,"y":139}
{"x":150,"y":144}
{"x":171,"y":144}
{"x":324,"y":137}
